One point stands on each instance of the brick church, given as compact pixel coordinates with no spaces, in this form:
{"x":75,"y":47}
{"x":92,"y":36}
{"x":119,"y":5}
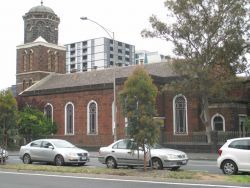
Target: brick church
{"x":82,"y":103}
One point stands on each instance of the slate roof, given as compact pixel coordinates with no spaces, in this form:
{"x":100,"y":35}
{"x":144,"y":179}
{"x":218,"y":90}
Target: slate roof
{"x":91,"y":80}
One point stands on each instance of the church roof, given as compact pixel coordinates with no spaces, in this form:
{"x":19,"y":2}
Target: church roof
{"x":59,"y":83}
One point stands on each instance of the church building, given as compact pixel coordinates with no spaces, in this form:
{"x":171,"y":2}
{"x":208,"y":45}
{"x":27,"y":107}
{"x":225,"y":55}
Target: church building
{"x":82,"y":103}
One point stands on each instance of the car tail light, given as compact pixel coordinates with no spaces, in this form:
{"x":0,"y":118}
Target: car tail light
{"x":219,"y":152}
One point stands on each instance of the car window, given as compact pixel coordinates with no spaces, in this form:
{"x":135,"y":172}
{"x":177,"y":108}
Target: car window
{"x":36,"y":144}
{"x":63,"y":144}
{"x":46,"y":144}
{"x":240,"y":144}
{"x":125,"y":144}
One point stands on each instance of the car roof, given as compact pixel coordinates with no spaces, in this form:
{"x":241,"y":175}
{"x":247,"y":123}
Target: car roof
{"x":48,"y":139}
{"x":241,"y":138}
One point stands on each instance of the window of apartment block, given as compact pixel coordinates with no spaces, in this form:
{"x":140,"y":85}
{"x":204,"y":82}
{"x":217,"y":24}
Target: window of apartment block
{"x":120,"y":51}
{"x":84,"y":43}
{"x":85,"y":57}
{"x":84,"y":50}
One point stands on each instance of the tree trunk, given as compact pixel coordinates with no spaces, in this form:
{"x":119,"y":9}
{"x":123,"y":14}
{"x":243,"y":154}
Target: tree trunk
{"x":205,"y":118}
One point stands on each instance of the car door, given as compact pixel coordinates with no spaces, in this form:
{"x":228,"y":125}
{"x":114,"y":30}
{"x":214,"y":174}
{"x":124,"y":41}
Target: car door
{"x":46,"y":152}
{"x":241,"y":151}
{"x":34,"y":150}
{"x":126,"y":153}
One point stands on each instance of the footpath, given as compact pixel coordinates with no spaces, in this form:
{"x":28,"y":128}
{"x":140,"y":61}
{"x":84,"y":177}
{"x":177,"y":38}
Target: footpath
{"x":191,"y":156}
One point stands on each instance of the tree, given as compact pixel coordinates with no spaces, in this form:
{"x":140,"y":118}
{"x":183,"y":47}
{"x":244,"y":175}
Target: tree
{"x":34,"y":124}
{"x":210,"y":40}
{"x":138,"y":99}
{"x":8,"y":114}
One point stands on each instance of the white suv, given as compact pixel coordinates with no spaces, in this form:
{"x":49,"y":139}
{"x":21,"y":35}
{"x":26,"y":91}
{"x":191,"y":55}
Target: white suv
{"x":234,"y":156}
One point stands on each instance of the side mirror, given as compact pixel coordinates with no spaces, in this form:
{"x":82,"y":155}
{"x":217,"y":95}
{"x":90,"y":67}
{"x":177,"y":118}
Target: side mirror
{"x":51,"y":147}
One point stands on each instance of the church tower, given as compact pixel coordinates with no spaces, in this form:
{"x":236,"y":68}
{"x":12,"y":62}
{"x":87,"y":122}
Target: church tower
{"x":40,"y":55}
{"x":41,"y":21}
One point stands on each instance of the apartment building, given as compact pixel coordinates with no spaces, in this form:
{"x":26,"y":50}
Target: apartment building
{"x":98,"y":53}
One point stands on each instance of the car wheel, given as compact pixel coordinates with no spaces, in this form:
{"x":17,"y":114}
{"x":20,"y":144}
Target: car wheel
{"x":175,"y":168}
{"x":111,"y":162}
{"x":59,"y":161}
{"x":157,"y":164}
{"x":27,"y":159}
{"x":229,"y":167}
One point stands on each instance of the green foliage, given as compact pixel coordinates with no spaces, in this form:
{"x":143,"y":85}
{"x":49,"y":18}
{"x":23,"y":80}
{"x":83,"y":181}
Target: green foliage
{"x":8,"y":116}
{"x":138,"y":99}
{"x":33,"y":124}
{"x":210,"y":39}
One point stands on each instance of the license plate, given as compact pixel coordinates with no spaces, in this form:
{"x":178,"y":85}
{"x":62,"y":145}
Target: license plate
{"x":83,"y":158}
{"x":184,"y":162}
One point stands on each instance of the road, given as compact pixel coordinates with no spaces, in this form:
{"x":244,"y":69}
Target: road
{"x":31,"y":180}
{"x":193,"y":165}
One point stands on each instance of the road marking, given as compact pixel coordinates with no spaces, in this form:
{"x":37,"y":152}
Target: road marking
{"x":122,"y":180}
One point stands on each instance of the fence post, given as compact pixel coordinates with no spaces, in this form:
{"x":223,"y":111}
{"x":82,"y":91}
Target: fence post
{"x":214,"y":135}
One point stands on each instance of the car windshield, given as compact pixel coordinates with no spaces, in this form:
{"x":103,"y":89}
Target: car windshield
{"x":63,"y":144}
{"x":157,"y":146}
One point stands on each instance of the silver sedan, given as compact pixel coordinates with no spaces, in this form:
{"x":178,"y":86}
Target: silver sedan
{"x":126,"y":153}
{"x":56,"y":151}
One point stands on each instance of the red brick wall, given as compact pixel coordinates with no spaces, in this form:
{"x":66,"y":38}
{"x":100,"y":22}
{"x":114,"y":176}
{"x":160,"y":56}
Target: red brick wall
{"x":39,"y":63}
{"x":103,"y":98}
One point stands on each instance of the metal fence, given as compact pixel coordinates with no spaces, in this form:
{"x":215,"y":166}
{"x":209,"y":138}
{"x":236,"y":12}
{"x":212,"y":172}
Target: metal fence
{"x":201,"y":137}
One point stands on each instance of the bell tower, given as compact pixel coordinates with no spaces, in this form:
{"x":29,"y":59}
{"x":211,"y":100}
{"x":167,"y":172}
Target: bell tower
{"x":40,"y":55}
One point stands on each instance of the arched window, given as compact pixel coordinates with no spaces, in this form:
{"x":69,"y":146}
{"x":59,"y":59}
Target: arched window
{"x":218,"y":123}
{"x":92,"y":118}
{"x":48,"y":111}
{"x":69,"y":118}
{"x":180,"y":114}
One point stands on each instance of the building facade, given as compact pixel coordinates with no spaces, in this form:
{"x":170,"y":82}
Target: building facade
{"x":81,"y":103}
{"x":98,"y":53}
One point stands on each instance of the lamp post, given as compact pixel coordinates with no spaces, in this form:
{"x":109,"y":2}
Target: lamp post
{"x":111,"y":34}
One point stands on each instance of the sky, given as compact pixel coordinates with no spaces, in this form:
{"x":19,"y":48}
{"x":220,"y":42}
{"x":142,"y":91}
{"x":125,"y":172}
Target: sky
{"x":126,"y":18}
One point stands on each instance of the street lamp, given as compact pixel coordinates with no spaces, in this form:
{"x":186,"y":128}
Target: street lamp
{"x":114,"y":76}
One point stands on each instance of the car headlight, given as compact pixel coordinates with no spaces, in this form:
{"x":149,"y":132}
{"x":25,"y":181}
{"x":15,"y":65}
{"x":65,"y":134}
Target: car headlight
{"x":171,"y":156}
{"x":71,"y":155}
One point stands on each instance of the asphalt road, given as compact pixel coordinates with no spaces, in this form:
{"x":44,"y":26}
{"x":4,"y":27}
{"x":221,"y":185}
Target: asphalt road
{"x":32,"y":180}
{"x":193,"y":165}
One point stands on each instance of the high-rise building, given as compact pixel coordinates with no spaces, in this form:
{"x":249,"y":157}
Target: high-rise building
{"x":146,"y":57}
{"x":98,"y":53}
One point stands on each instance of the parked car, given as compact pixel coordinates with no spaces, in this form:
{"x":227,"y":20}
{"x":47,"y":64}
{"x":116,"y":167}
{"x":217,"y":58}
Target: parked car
{"x":56,"y":151}
{"x":3,"y":155}
{"x":234,"y":156}
{"x":126,"y":153}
